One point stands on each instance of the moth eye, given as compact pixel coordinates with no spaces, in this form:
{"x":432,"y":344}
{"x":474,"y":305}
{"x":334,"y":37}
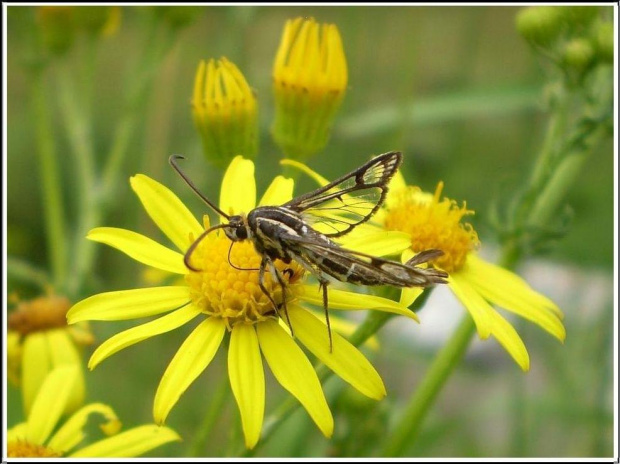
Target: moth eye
{"x":241,"y":233}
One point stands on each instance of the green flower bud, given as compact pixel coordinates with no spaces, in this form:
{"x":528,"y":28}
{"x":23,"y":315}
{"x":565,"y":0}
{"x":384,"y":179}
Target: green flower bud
{"x":57,"y":27}
{"x":578,"y":54}
{"x":540,"y":25}
{"x":578,"y":16}
{"x":309,"y":82}
{"x":605,"y":42}
{"x":96,"y":20}
{"x":225,"y":112}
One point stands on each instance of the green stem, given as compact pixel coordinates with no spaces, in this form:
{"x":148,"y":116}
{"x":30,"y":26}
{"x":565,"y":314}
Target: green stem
{"x":50,"y":180}
{"x":26,"y":272}
{"x":406,"y":432}
{"x":197,"y":446}
{"x":156,"y":46}
{"x":77,"y":120}
{"x":564,"y":175}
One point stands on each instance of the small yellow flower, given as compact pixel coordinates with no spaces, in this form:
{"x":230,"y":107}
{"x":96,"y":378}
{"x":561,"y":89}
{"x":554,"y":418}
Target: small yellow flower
{"x":225,"y":112}
{"x":417,"y":221}
{"x":57,"y":27}
{"x":34,"y":438}
{"x":309,"y":79}
{"x":40,"y":340}
{"x":225,"y":295}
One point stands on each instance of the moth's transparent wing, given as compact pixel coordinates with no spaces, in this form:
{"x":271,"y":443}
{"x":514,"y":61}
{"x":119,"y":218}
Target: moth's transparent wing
{"x":338,"y":207}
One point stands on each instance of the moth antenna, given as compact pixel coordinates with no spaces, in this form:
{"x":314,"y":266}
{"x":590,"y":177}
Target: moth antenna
{"x":173,"y":162}
{"x":194,"y":245}
{"x":236,"y":267}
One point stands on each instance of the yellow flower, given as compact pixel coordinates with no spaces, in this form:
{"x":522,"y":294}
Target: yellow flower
{"x":34,"y":437}
{"x":227,"y":298}
{"x":225,"y":112}
{"x":417,"y":221}
{"x":309,"y":79}
{"x":40,"y":340}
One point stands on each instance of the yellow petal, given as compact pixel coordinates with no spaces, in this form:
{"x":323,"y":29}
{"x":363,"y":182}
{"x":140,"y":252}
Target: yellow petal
{"x":133,"y":442}
{"x":50,"y":403}
{"x":14,"y":357}
{"x":140,"y":248}
{"x":344,"y":327}
{"x":473,"y":302}
{"x":508,"y":337}
{"x":511,"y":282}
{"x":340,"y":299}
{"x":396,"y":183}
{"x":293,"y":370}
{"x":71,"y":433}
{"x":516,"y":297}
{"x":128,"y":304}
{"x":345,"y":360}
{"x":379,"y":243}
{"x":408,"y":295}
{"x":63,"y":351}
{"x":279,"y":192}
{"x":488,"y":320}
{"x":306,"y":170}
{"x":166,"y":210}
{"x":136,"y":334}
{"x":247,"y":379}
{"x":238,"y":194}
{"x":36,"y":364}
{"x":191,"y":359}
{"x":17,"y":432}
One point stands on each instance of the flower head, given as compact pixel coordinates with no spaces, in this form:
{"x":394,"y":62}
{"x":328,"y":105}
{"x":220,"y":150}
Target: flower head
{"x":34,"y":438}
{"x":424,"y":221}
{"x":309,"y":79}
{"x":39,"y":340}
{"x":225,"y":112}
{"x":225,"y":294}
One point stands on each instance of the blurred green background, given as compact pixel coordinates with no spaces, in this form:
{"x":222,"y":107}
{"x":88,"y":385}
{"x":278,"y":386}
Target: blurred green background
{"x":459,"y":92}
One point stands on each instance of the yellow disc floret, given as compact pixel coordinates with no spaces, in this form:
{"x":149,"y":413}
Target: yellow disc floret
{"x":23,"y":449}
{"x":230,"y":289}
{"x":433,"y":223}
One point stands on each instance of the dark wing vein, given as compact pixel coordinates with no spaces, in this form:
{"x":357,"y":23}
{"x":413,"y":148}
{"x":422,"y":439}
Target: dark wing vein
{"x":351,"y":199}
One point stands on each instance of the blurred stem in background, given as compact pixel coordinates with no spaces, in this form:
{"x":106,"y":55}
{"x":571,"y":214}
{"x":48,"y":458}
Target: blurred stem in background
{"x":50,"y":179}
{"x":585,"y":84}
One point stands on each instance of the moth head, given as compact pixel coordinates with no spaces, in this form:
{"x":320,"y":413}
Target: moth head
{"x":237,"y":229}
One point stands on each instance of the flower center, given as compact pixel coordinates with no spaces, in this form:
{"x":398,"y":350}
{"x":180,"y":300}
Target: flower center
{"x":230,"y":289}
{"x":43,"y":313}
{"x":23,"y":449}
{"x":433,"y":223}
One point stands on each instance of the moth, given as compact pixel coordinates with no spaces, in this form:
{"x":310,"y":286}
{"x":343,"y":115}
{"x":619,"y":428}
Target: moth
{"x":303,"y":229}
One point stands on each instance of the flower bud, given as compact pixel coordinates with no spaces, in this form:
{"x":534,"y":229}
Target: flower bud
{"x":225,"y":112}
{"x":309,"y":80}
{"x":540,"y":25}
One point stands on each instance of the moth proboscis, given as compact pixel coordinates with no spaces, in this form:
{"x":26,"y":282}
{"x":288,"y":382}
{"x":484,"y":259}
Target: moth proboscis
{"x":302,"y":230}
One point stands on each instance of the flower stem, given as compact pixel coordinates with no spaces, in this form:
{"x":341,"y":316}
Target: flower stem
{"x":197,"y":446}
{"x":444,"y":363}
{"x":50,"y":180}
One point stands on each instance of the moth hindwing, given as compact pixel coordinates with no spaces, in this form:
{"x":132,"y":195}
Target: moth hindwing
{"x":302,"y":229}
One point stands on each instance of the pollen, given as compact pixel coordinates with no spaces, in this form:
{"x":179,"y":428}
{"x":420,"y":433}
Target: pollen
{"x":227,"y":283}
{"x":42,"y":313}
{"x":433,"y":223}
{"x":23,"y":449}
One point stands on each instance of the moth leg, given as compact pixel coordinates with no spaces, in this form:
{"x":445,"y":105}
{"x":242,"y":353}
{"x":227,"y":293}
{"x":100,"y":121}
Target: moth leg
{"x":261,"y":283}
{"x":323,"y":285}
{"x":274,"y":271}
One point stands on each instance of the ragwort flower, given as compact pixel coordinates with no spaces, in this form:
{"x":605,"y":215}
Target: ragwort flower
{"x":34,"y":438}
{"x":418,"y":221}
{"x":38,"y":340}
{"x":225,"y":295}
